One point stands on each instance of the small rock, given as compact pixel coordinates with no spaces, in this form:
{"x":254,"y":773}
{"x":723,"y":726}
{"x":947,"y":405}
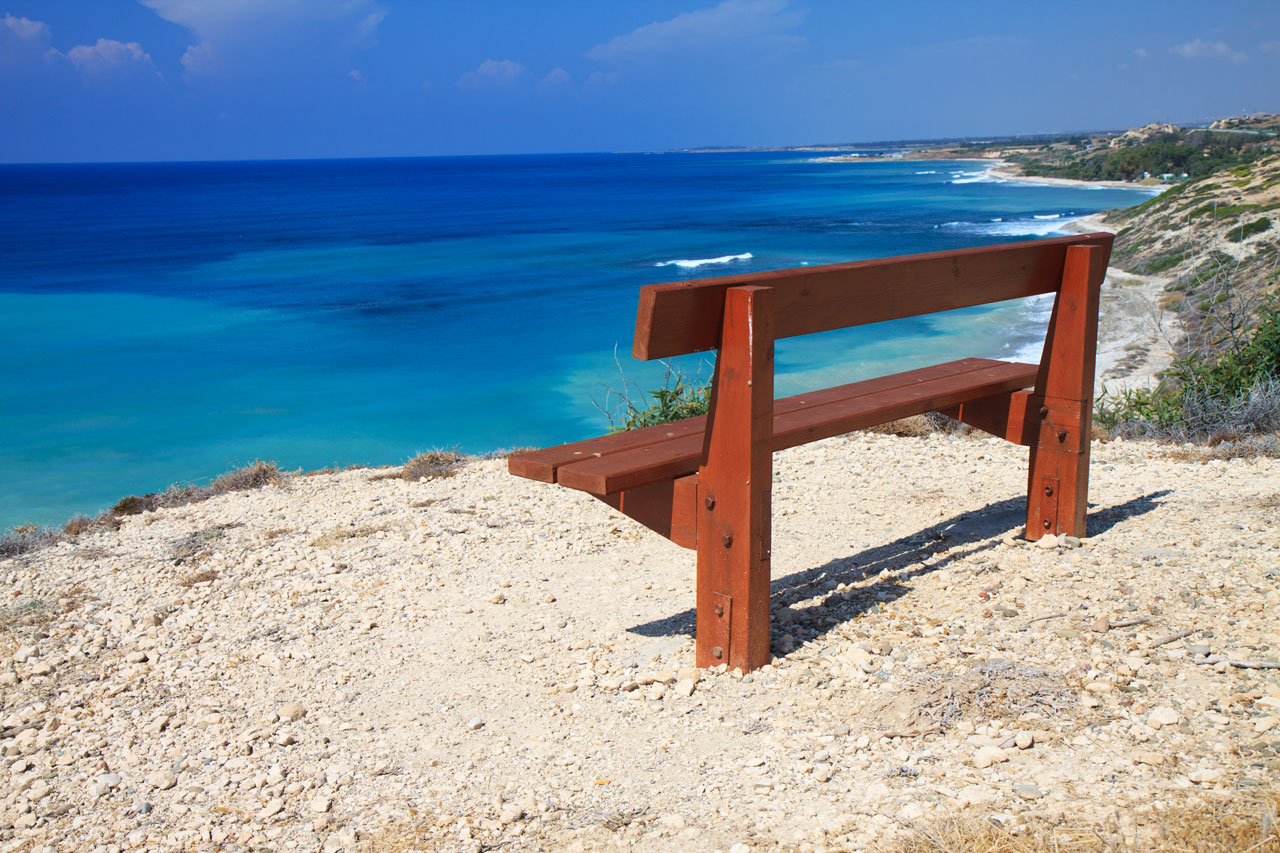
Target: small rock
{"x":1047,"y":541}
{"x":1154,"y":759}
{"x":510,"y":814}
{"x":1266,"y":724}
{"x":1198,"y":650}
{"x":1028,"y":792}
{"x":320,"y":804}
{"x":988,"y":755}
{"x":822,"y":771}
{"x":498,"y":598}
{"x":739,"y":848}
{"x":1101,"y":625}
{"x":291,"y":712}
{"x":475,"y":724}
{"x":42,"y":668}
{"x":911,"y":811}
{"x":143,"y":807}
{"x":1024,"y":740}
{"x":1205,"y":776}
{"x":271,"y":809}
{"x":683,"y":688}
{"x":656,"y":690}
{"x":162,"y":780}
{"x":1099,"y":687}
{"x":1163,"y":716}
{"x":673,"y":821}
{"x":1069,"y":541}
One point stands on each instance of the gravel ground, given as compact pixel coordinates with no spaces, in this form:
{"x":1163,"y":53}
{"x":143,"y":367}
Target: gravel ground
{"x":350,"y":662}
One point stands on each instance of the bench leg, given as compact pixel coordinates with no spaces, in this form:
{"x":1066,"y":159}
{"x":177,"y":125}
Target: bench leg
{"x":734,"y":484}
{"x":1058,"y":481}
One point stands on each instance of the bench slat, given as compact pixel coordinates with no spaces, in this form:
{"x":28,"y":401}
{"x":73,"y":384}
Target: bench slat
{"x":680,"y":317}
{"x":857,"y":407}
{"x":542,"y":464}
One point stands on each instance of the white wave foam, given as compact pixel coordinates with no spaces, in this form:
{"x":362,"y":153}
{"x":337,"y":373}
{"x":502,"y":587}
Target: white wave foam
{"x":1037,"y":226}
{"x":701,"y":262}
{"x":1035,"y":320}
{"x":929,"y":172}
{"x":1048,"y":216}
{"x":971,"y":177}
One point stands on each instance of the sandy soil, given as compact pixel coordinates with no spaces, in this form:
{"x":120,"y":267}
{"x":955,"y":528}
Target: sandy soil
{"x":346,"y":662}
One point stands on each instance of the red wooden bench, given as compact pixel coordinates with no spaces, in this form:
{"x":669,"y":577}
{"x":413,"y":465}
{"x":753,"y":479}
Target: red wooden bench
{"x":705,"y":482}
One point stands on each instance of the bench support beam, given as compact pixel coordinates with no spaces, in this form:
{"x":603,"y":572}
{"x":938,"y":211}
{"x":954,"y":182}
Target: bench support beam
{"x":667,"y":508}
{"x":1058,"y":479}
{"x":734,"y":483}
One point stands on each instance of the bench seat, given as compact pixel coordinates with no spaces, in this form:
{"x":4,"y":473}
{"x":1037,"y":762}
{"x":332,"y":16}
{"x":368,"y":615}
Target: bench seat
{"x":628,"y":460}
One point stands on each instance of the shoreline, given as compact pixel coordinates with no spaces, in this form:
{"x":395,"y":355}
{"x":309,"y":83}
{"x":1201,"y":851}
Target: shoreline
{"x":1000,"y":171}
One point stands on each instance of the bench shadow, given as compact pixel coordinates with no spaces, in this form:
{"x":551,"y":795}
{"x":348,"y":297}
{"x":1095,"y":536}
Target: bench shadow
{"x":968,"y":533}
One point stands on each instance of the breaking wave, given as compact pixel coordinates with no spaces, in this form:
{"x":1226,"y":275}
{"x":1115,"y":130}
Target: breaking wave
{"x":702,"y":262}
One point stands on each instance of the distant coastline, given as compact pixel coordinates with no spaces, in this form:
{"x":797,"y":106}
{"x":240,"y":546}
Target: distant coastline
{"x":997,"y":169}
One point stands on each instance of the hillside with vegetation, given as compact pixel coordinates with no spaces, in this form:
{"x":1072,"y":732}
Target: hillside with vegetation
{"x":1215,"y":239}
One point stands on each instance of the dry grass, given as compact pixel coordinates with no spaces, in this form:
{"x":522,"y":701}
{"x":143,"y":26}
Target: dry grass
{"x":991,"y":691}
{"x":342,"y":534}
{"x":1242,"y":822}
{"x":193,"y":578}
{"x":1229,"y":447}
{"x":434,"y":465}
{"x":27,"y":538}
{"x":920,"y":425}
{"x":196,"y":546}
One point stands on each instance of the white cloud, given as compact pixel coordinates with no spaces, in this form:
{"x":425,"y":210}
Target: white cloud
{"x":1141,"y":53}
{"x":27,"y":29}
{"x":556,"y":78}
{"x":1201,"y":49}
{"x":1271,"y":47}
{"x":23,"y":40}
{"x":356,"y":75}
{"x":230,"y":33}
{"x":109,"y":55}
{"x":600,"y":79}
{"x":493,"y":74}
{"x":743,"y":25}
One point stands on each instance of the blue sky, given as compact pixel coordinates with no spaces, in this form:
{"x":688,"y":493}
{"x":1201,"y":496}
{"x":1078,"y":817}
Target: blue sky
{"x":87,"y":80}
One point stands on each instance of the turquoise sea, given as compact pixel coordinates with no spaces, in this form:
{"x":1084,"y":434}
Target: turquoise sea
{"x":166,"y":322}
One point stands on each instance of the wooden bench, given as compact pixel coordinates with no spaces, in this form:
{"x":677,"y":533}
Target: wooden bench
{"x":705,"y":482}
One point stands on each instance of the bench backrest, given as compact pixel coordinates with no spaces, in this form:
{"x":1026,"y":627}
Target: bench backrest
{"x":683,"y":317}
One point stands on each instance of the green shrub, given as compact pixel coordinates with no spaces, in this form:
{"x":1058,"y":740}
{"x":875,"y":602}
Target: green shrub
{"x":680,"y":396}
{"x":1257,"y":226}
{"x":1236,"y":392}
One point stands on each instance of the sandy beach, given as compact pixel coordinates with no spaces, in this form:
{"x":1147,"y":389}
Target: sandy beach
{"x":1006,"y":171}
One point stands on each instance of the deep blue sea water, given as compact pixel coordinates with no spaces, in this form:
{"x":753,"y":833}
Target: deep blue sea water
{"x":166,"y":322}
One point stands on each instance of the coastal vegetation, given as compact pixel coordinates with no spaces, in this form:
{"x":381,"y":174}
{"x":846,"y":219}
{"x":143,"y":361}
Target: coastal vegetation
{"x":1168,"y":154}
{"x":681,"y":395}
{"x":29,"y":537}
